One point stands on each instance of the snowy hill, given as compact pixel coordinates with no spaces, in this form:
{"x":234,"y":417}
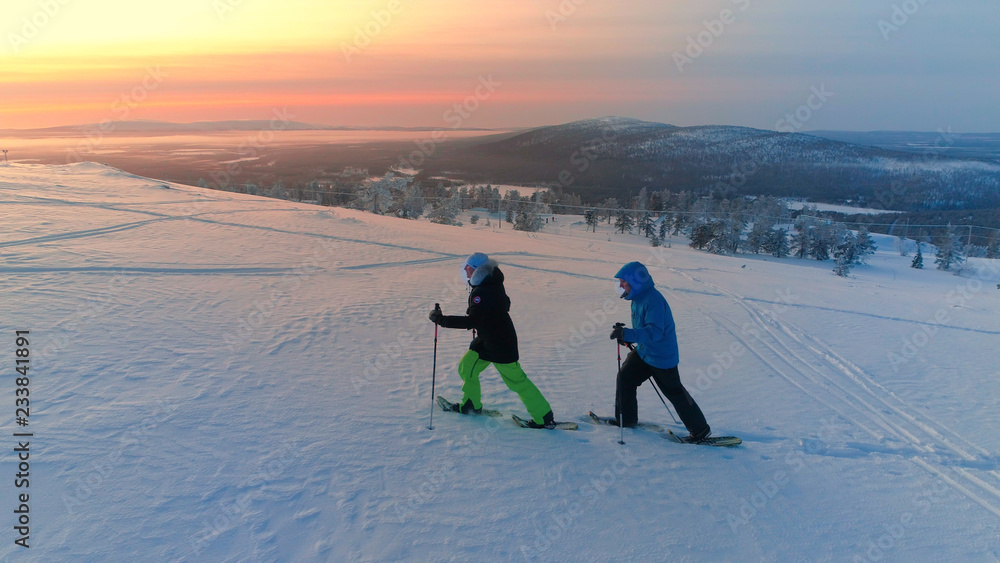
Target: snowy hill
{"x":220,"y":377}
{"x":613,"y":156}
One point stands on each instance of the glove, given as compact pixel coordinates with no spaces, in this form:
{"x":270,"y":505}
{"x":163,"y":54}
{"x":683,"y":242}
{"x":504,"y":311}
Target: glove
{"x":435,"y":316}
{"x":618,"y":334}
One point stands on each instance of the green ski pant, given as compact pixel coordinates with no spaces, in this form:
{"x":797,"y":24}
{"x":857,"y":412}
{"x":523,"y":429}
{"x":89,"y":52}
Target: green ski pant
{"x":471,"y":366}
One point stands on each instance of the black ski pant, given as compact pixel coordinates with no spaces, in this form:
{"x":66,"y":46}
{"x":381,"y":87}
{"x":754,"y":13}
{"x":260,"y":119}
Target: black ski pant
{"x":634,"y":372}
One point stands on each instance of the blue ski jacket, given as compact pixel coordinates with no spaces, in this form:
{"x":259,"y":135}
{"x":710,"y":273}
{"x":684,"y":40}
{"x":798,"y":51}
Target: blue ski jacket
{"x":653,"y":329}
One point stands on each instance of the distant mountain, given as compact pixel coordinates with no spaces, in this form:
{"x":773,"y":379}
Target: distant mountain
{"x":614,"y":156}
{"x":965,"y":145}
{"x":166,"y":127}
{"x":560,"y":140}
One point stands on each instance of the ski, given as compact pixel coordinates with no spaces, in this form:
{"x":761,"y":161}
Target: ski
{"x":559,"y":425}
{"x":612,"y":421}
{"x":449,"y":406}
{"x":718,"y":441}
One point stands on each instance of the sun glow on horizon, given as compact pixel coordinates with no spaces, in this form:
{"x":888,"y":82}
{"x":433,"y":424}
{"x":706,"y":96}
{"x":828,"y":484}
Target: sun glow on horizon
{"x":232,"y":59}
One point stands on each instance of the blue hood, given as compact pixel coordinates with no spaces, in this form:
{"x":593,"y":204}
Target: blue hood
{"x":638,"y":279}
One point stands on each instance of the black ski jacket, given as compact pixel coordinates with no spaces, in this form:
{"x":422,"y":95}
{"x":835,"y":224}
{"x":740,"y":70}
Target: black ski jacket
{"x":489,"y":315}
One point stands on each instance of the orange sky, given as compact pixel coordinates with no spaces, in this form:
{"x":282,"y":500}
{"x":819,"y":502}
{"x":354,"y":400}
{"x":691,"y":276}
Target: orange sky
{"x":407,"y":62}
{"x":353,"y":63}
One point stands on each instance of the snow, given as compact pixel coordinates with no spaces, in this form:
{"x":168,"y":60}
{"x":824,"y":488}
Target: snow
{"x":523,"y":191}
{"x":846,"y":209}
{"x":222,"y":377}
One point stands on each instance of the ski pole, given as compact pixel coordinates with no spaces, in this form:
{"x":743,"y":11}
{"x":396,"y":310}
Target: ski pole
{"x":430,"y":425}
{"x":618,"y":400}
{"x":654,"y":384}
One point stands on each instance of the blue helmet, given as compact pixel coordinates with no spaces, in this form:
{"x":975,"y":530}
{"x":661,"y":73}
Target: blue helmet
{"x":638,"y":279}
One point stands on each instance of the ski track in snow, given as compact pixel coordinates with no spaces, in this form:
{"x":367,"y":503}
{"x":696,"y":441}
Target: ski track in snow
{"x":828,"y":378}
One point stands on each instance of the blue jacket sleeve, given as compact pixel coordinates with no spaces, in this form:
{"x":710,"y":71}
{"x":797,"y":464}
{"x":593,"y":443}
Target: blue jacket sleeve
{"x":650,"y":326}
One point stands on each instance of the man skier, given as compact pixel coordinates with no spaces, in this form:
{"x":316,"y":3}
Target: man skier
{"x":655,"y":354}
{"x":494,"y":342}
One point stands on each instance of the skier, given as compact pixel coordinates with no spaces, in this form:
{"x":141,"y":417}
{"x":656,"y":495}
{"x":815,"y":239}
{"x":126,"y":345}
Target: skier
{"x":655,"y":353}
{"x":494,"y":341}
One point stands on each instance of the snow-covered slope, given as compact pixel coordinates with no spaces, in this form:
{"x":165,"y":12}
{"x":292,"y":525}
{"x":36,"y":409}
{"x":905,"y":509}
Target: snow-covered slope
{"x":613,"y":155}
{"x":219,"y":377}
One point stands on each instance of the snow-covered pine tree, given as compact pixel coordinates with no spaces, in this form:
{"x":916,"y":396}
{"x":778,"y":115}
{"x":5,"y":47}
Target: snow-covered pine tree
{"x":624,"y":221}
{"x":822,"y":242}
{"x":590,"y":216}
{"x":509,"y":205}
{"x":646,"y":226}
{"x":663,"y":228}
{"x":702,"y":235}
{"x":902,"y":246}
{"x":610,"y":206}
{"x":949,"y":252}
{"x":727,"y":236}
{"x":278,"y":190}
{"x":845,"y":254}
{"x":758,"y":237}
{"x":918,"y":260}
{"x":679,"y":224}
{"x":528,"y":219}
{"x":375,"y":196}
{"x":446,"y":210}
{"x":413,"y":203}
{"x":993,"y":246}
{"x":638,"y":204}
{"x":801,"y":241}
{"x":865,"y":246}
{"x":777,"y":244}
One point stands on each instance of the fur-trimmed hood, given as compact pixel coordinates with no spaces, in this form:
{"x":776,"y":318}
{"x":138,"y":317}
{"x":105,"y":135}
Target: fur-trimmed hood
{"x":482,"y":272}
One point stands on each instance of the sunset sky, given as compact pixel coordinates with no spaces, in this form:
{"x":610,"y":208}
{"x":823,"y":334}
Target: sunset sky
{"x":886,"y":64}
